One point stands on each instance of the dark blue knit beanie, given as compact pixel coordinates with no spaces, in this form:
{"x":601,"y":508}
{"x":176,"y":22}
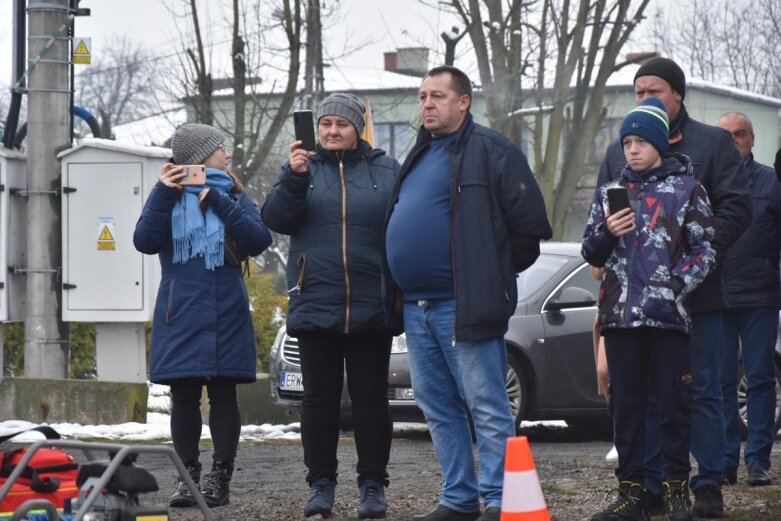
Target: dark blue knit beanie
{"x":648,"y":121}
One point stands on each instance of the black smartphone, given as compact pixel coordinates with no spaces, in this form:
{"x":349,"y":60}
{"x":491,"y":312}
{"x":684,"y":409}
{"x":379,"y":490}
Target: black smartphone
{"x":617,"y":199}
{"x":303,"y":123}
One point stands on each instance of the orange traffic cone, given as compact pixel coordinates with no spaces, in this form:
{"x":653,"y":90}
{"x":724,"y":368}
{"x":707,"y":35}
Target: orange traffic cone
{"x":522,"y":498}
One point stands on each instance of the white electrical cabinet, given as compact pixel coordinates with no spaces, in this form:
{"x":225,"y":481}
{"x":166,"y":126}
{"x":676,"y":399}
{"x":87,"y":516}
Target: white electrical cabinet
{"x":13,"y":230}
{"x":104,"y":279}
{"x":105,"y":185}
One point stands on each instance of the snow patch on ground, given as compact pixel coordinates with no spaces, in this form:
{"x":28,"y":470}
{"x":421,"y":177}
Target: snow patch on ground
{"x":157,"y":427}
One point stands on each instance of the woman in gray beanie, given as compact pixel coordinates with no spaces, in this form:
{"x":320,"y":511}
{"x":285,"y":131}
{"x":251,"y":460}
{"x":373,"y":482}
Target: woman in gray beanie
{"x":332,"y":204}
{"x":202,"y":330}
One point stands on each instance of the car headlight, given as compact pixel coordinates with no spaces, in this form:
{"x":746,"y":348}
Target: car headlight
{"x":399,"y":344}
{"x":403,"y":394}
{"x":272,"y":355}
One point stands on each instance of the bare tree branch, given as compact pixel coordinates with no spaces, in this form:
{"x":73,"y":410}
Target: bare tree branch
{"x":577,"y":43}
{"x":729,"y":42}
{"x":121,"y":85}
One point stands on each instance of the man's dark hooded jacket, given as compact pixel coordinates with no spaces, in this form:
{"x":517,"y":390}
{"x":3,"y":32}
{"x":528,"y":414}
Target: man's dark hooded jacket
{"x":718,"y":166}
{"x":497,"y":220}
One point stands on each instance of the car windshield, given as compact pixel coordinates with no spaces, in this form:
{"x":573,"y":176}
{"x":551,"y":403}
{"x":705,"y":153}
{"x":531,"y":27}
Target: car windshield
{"x":534,"y":277}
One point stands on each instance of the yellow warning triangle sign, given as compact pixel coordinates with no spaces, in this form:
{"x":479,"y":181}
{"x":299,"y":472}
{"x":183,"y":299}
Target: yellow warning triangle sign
{"x":81,"y":48}
{"x":105,"y":235}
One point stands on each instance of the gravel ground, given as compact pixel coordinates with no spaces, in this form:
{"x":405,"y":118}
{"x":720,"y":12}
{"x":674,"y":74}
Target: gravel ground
{"x":576,"y":480}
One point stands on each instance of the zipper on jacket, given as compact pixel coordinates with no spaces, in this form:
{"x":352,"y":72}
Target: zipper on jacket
{"x":347,"y":288}
{"x":631,"y":262}
{"x":301,"y":265}
{"x":455,"y":189}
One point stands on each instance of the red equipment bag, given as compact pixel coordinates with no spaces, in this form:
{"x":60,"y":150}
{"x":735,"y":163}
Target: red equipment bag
{"x":50,"y":474}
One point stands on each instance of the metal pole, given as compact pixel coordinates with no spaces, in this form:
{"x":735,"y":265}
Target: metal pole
{"x":48,"y":118}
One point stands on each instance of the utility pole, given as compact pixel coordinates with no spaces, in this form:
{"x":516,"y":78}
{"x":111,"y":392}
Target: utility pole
{"x":313,"y":65}
{"x":48,"y":122}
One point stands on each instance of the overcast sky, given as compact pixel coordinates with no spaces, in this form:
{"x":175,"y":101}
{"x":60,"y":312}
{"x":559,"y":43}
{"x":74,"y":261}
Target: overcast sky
{"x":380,"y":25}
{"x":376,"y":25}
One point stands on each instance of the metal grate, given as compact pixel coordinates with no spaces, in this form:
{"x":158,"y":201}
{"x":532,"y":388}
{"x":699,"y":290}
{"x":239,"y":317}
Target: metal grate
{"x":290,"y":352}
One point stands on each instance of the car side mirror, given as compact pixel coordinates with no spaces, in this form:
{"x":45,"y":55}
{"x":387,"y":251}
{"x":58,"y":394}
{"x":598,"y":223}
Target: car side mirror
{"x":571,"y":297}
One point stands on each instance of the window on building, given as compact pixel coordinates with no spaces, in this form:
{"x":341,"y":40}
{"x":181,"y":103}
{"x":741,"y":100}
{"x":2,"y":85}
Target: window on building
{"x":395,"y":138}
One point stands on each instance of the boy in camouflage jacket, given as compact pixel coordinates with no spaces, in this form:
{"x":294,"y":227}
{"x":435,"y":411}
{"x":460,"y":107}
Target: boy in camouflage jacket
{"x":654,"y":253}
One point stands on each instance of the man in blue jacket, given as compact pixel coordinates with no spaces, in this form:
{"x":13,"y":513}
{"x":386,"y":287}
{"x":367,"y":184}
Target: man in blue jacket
{"x":465,"y":217}
{"x":753,"y":293}
{"x":717,"y":165}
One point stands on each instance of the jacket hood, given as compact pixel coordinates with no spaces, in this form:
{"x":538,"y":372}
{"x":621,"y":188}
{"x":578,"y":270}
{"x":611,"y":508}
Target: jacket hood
{"x":672,"y":164}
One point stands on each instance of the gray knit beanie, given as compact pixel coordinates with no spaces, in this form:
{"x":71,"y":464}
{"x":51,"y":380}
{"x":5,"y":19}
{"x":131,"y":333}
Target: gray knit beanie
{"x":193,"y":143}
{"x":345,"y":105}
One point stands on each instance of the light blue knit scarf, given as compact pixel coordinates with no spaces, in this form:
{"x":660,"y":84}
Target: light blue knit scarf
{"x":195,"y":234}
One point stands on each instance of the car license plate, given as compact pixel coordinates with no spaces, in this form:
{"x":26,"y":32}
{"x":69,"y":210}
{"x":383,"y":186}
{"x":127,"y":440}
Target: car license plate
{"x":291,"y":381}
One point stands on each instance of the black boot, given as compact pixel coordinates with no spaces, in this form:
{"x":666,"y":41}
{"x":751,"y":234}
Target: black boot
{"x":708,"y":502}
{"x":676,"y":496}
{"x":628,"y":506}
{"x":216,"y":484}
{"x":183,"y":498}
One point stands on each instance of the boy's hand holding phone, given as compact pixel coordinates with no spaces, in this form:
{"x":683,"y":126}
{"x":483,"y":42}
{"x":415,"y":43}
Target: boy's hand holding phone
{"x":621,"y":223}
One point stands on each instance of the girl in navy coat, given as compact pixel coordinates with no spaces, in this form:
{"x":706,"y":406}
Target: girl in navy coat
{"x":202,"y":330}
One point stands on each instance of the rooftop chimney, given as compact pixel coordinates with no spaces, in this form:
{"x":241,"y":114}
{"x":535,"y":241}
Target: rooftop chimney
{"x":391,"y":59}
{"x":412,"y":61}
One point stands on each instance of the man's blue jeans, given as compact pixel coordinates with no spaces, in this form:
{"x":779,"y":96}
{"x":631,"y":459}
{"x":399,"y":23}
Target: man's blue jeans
{"x":707,"y":412}
{"x":756,"y":330}
{"x":447,"y":378}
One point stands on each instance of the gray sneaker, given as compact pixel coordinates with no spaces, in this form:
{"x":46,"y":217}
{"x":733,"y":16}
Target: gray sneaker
{"x":321,"y":498}
{"x":373,"y":504}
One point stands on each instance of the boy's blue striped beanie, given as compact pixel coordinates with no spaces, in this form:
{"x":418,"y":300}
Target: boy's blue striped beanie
{"x":648,"y":121}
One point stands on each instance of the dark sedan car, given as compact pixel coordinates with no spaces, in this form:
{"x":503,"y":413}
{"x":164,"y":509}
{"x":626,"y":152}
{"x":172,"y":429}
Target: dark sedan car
{"x":287,"y":389}
{"x":551,"y":371}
